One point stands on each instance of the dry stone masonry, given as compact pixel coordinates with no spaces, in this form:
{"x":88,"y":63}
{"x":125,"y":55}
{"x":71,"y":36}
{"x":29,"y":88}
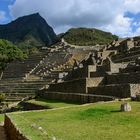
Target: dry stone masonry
{"x":105,"y":72}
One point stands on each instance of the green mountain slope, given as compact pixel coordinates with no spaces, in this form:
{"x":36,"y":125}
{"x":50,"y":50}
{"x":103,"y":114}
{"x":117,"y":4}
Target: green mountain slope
{"x":87,"y":36}
{"x":32,"y":30}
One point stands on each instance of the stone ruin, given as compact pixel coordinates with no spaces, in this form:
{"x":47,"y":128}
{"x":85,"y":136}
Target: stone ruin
{"x":103,"y":73}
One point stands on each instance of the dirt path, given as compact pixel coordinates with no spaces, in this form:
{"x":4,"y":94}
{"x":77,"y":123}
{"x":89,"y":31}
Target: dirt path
{"x":2,"y":133}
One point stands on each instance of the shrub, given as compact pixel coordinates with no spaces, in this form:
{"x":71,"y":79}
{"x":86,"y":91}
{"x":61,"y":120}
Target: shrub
{"x":2,"y":97}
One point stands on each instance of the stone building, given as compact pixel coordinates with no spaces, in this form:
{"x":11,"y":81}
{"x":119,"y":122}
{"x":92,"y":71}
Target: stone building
{"x":98,"y":74}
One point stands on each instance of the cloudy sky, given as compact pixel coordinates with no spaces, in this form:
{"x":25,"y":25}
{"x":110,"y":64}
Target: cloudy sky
{"x":121,"y":17}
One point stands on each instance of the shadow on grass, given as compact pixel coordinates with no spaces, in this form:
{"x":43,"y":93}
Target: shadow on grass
{"x":56,"y":101}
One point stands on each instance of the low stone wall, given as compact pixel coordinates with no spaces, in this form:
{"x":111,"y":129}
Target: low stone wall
{"x":12,"y":132}
{"x":72,"y":97}
{"x":120,"y":91}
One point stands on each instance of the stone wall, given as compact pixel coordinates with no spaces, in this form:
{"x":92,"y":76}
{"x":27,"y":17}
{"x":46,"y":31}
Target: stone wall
{"x":74,"y":86}
{"x":12,"y":132}
{"x":120,"y":91}
{"x":78,"y":73}
{"x":135,"y":89}
{"x":81,"y":72}
{"x":72,"y":97}
{"x":123,"y":78}
{"x":94,"y":82}
{"x":115,"y":67}
{"x":77,"y":86}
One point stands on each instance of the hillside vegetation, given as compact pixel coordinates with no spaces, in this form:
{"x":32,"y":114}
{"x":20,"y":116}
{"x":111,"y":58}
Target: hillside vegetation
{"x":9,"y":52}
{"x":85,"y":36}
{"x":30,"y":30}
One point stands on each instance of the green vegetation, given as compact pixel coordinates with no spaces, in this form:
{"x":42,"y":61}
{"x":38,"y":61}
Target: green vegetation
{"x":34,"y":31}
{"x":1,"y":118}
{"x":101,"y":121}
{"x":85,"y":37}
{"x":2,"y":97}
{"x":8,"y":53}
{"x":50,"y":103}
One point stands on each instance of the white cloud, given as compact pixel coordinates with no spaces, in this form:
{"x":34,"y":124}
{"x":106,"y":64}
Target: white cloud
{"x":121,"y":26}
{"x":2,"y":16}
{"x":132,"y":6}
{"x":64,"y":14}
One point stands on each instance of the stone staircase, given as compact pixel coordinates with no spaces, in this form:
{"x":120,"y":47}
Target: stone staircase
{"x":53,"y":63}
{"x":23,"y":78}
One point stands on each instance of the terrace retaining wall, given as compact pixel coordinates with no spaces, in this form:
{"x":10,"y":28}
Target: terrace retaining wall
{"x":76,"y":86}
{"x":73,"y":86}
{"x":123,"y":78}
{"x":116,"y":90}
{"x":12,"y":132}
{"x":72,"y":97}
{"x":120,"y":91}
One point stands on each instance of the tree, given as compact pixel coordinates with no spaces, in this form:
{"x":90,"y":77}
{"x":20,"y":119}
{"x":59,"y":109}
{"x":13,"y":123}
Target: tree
{"x":8,"y":53}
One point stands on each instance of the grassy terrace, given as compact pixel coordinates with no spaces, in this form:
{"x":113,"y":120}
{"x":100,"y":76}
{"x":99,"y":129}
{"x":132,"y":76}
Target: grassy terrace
{"x":101,"y":121}
{"x":50,"y":103}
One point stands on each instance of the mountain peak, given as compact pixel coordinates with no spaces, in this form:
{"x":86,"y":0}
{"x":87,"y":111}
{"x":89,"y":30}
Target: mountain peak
{"x":29,"y":28}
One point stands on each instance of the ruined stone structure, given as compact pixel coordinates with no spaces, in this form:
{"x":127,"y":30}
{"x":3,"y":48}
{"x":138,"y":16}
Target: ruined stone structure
{"x":99,"y":74}
{"x":113,"y":71}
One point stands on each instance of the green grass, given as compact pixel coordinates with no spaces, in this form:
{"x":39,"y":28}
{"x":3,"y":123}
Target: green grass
{"x":91,"y":122}
{"x":50,"y":103}
{"x":1,"y":118}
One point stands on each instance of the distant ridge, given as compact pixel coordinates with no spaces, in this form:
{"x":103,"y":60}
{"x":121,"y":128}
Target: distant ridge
{"x":87,"y":36}
{"x":30,"y":29}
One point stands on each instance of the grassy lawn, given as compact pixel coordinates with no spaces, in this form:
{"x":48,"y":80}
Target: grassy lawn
{"x":50,"y":103}
{"x":101,"y":121}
